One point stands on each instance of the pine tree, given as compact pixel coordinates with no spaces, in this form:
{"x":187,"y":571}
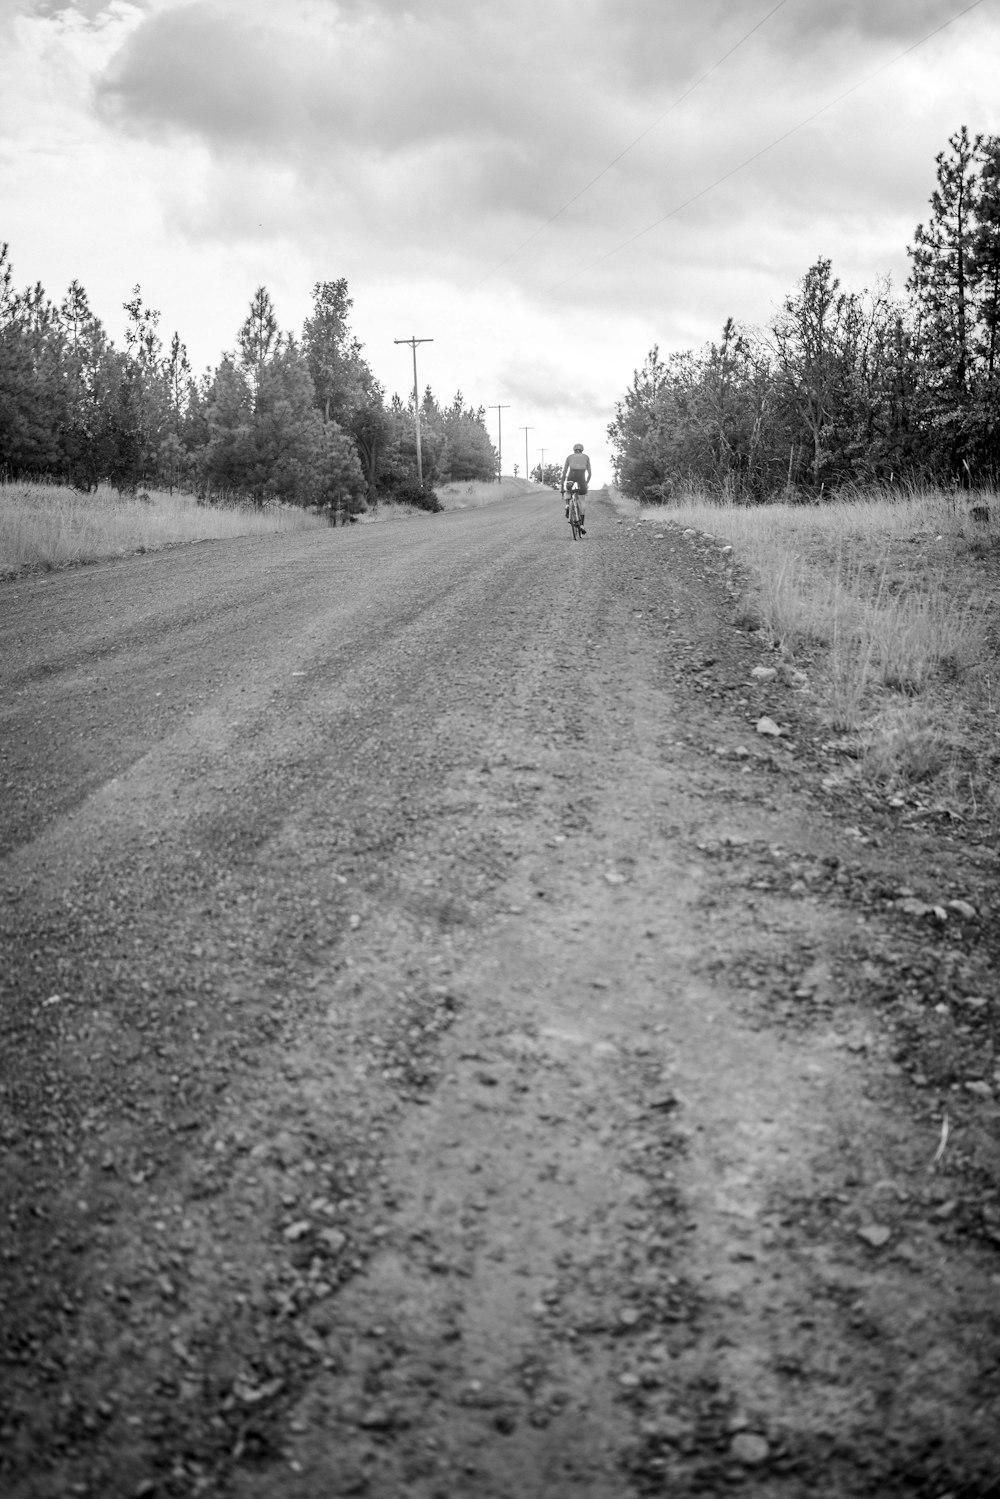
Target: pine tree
{"x":985,"y":260}
{"x":941,"y":285}
{"x":259,"y":338}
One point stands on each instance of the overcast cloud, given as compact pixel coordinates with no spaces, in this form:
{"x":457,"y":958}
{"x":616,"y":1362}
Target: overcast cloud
{"x":476,"y":171}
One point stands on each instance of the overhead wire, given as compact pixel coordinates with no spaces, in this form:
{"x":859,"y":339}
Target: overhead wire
{"x":703,"y":192}
{"x":626,"y":149}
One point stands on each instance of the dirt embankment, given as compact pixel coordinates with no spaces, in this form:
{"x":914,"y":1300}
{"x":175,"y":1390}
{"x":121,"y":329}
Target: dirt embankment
{"x":447,"y":1052}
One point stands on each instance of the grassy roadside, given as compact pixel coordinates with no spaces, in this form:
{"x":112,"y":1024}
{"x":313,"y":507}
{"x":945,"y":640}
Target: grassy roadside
{"x":45,"y":526}
{"x":891,"y":606}
{"x":472,"y":495}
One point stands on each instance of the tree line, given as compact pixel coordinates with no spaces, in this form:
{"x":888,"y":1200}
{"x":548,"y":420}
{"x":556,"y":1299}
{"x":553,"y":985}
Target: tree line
{"x":299,"y":420}
{"x":842,"y":388}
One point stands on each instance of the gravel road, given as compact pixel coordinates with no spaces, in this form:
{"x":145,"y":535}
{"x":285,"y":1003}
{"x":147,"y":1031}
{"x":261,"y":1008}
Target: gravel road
{"x":438,"y":1046}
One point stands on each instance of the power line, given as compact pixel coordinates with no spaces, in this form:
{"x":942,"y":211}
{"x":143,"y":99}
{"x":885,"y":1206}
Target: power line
{"x":626,"y":149}
{"x":703,"y":192}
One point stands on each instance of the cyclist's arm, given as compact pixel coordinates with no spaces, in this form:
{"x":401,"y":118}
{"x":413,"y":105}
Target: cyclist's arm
{"x":562,"y":481}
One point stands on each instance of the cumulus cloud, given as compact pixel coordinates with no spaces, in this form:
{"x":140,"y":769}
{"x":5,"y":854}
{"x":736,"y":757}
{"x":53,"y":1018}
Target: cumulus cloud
{"x":313,"y":75}
{"x":467,"y":129}
{"x":528,"y":179}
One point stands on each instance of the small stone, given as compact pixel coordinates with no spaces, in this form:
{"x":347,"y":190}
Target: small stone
{"x":749,"y":1449}
{"x":354,"y":921}
{"x":875,"y":1234}
{"x":963,"y":909}
{"x":296,"y":1231}
{"x":764,"y":673}
{"x":613,"y":877}
{"x":768,"y":726}
{"x":376,"y":1418}
{"x":911,"y":906}
{"x":333,"y":1239}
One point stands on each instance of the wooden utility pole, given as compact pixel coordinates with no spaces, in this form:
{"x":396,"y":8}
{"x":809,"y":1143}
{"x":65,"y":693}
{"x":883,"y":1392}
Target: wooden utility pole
{"x":416,"y":398}
{"x":498,"y":410}
{"x":541,"y":468}
{"x":526,"y":430}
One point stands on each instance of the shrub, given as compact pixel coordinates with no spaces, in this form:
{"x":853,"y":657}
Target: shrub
{"x":409,"y":492}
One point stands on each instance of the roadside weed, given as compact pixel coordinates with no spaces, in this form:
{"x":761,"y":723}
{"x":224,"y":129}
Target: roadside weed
{"x":891,"y":598}
{"x":46,"y":526}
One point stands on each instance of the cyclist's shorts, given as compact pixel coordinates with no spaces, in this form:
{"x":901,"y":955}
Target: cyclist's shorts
{"x":579,"y":484}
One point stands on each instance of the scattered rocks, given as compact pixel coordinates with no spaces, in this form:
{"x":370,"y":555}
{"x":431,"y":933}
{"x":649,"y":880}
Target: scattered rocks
{"x":911,"y":906}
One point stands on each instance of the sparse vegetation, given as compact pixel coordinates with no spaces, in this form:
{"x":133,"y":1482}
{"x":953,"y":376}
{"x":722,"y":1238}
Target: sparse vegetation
{"x":473,"y":495}
{"x":891,"y":604}
{"x":46,"y":526}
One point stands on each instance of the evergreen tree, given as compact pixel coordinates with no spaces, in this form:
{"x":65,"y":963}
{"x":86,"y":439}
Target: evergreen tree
{"x":985,"y":260}
{"x":339,"y":372}
{"x":259,"y":338}
{"x":226,"y":456}
{"x":471,"y":454}
{"x":85,"y":351}
{"x":635,"y":434}
{"x":940,"y":285}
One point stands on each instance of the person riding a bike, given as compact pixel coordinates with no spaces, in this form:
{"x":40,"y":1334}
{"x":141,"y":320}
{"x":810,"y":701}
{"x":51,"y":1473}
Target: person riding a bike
{"x":576,"y":472}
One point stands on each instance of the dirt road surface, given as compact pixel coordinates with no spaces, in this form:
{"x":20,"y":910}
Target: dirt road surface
{"x":447,"y":1052}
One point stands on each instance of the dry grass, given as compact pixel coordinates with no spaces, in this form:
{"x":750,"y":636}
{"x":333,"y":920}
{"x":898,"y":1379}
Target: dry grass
{"x":892,"y":601}
{"x":475,"y":493}
{"x":45,"y":526}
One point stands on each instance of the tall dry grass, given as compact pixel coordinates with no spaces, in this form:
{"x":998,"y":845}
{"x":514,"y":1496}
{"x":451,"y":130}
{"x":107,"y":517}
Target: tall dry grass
{"x":892,"y":600}
{"x":47,"y":526}
{"x":474,"y":493}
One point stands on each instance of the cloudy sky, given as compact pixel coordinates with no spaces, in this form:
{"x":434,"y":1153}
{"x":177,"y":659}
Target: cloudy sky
{"x":544,"y":188}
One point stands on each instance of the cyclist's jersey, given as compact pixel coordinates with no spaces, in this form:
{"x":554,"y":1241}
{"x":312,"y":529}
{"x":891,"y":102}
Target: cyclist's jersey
{"x":575,"y":470}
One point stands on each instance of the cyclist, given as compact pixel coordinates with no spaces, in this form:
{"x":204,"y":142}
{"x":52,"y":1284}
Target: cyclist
{"x":577,"y":469}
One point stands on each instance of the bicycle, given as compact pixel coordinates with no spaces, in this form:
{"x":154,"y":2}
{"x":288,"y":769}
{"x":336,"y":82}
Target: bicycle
{"x":573,"y":510}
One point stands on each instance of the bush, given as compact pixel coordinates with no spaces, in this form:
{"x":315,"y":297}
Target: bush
{"x":412,"y":493}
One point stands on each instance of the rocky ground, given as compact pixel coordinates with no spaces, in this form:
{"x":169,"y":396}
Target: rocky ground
{"x":446,"y":1050}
